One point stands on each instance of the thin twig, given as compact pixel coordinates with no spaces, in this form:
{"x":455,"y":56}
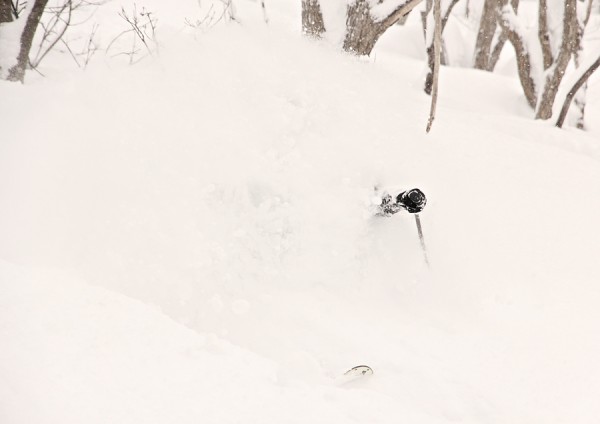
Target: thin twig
{"x":71,"y":52}
{"x":91,"y":47}
{"x":264,"y":10}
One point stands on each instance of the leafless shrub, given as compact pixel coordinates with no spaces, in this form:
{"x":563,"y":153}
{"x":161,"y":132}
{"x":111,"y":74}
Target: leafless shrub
{"x":142,"y":32}
{"x":214,"y":15}
{"x":83,"y":56}
{"x":57,"y":19}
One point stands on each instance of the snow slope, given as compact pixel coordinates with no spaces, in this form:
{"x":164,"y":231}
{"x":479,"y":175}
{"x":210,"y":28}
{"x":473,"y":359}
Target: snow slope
{"x":189,"y":239}
{"x":83,"y":354}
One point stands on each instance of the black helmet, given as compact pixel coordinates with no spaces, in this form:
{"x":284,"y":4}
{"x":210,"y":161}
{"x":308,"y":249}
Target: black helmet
{"x":413,"y":200}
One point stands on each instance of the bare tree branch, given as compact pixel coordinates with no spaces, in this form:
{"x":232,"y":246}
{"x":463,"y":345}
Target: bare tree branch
{"x":41,"y":54}
{"x":580,"y":96}
{"x":264,"y":11}
{"x":90,"y":48}
{"x":567,"y":49}
{"x":70,"y":52}
{"x":445,"y":16}
{"x":437,"y":48}
{"x":497,"y":51}
{"x":400,"y":11}
{"x":447,"y":13}
{"x":213,"y":17}
{"x":578,"y":84}
{"x":142,"y":27}
{"x":506,"y":17}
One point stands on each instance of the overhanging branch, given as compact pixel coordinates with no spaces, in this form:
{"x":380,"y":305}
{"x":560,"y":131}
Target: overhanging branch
{"x":399,"y":12}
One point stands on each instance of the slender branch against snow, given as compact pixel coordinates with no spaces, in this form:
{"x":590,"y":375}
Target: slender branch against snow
{"x":446,"y":11}
{"x":428,"y":17}
{"x":437,"y":48}
{"x":264,"y":11}
{"x":580,"y":97}
{"x":574,"y":89}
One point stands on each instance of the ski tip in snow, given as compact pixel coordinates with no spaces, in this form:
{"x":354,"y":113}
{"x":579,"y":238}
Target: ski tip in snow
{"x":354,"y":375}
{"x":359,"y":371}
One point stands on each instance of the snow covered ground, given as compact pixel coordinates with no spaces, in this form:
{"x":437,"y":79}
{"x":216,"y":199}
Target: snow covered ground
{"x":189,"y":240}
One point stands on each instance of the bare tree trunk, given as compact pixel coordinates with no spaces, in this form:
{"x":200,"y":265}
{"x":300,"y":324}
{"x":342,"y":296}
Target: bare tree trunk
{"x":17,"y":72}
{"x":544,"y":34}
{"x":312,"y":19}
{"x":363,"y":29}
{"x":567,"y":49}
{"x":580,"y":82}
{"x":486,"y":56}
{"x":485,"y":35}
{"x":502,"y":39}
{"x":505,"y":15}
{"x":6,"y":14}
